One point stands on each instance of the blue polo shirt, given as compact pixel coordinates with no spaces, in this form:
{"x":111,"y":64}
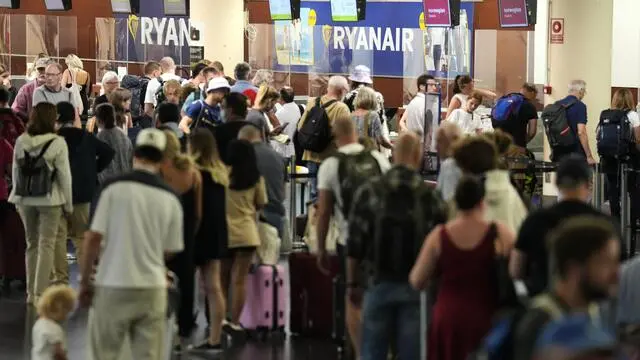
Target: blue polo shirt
{"x":576,"y":114}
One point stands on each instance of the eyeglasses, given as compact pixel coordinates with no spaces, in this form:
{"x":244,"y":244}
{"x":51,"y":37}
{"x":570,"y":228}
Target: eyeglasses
{"x":51,"y":74}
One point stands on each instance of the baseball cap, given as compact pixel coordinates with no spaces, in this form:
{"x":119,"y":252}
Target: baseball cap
{"x":153,"y":138}
{"x":43,"y":63}
{"x":218,"y":83}
{"x":573,"y":170}
{"x":361,"y":74}
{"x":577,"y":335}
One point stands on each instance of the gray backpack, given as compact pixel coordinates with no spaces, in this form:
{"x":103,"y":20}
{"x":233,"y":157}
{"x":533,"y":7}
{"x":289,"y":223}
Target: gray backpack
{"x":34,"y":177}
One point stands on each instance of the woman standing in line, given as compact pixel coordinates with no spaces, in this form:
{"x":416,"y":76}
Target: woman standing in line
{"x":211,"y":243}
{"x":41,"y":202}
{"x":116,"y":139}
{"x":180,"y":173}
{"x":246,"y":196}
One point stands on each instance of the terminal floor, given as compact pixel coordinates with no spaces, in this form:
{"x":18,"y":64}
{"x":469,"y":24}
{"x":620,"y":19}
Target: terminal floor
{"x":17,"y":318}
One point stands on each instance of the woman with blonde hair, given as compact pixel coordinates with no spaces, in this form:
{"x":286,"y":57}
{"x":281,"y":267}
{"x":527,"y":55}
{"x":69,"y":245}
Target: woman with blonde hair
{"x":179,"y":171}
{"x":261,"y":114}
{"x":367,"y":120}
{"x":623,"y":104}
{"x":76,"y":75}
{"x":211,"y":242}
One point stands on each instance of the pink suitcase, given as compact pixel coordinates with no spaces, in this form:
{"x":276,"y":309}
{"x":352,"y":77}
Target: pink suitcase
{"x":266,"y":300}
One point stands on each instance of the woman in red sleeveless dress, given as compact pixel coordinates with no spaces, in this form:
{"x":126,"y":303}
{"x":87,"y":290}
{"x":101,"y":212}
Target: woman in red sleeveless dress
{"x":462,"y":254}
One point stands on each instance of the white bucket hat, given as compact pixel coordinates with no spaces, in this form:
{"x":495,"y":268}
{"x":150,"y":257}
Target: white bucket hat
{"x":361,"y":74}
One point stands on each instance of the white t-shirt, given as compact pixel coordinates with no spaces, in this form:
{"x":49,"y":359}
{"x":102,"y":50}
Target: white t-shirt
{"x":328,"y":180}
{"x":468,"y":122}
{"x":46,"y":334}
{"x":140,"y":218}
{"x":634,"y":119}
{"x":154,"y":86}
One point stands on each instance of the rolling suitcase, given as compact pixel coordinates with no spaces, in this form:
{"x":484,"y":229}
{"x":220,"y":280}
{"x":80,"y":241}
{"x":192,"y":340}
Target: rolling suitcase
{"x":266,"y":300}
{"x":311,"y":296}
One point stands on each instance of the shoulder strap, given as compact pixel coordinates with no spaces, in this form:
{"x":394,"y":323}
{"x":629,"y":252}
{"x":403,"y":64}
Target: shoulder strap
{"x":570,"y":104}
{"x":329,"y":103}
{"x":44,"y":149}
{"x":200,"y":114}
{"x":546,"y":303}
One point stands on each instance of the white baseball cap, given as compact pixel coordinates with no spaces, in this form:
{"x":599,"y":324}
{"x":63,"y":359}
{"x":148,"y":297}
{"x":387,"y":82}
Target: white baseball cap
{"x":153,"y":138}
{"x":218,"y":83}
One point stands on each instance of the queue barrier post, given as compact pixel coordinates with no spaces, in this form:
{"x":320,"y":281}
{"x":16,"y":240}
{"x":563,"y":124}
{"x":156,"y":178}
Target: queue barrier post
{"x":292,"y":196}
{"x":625,"y":209}
{"x":598,"y":187}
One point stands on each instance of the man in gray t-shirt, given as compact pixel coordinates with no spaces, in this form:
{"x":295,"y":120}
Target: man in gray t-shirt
{"x":52,"y":91}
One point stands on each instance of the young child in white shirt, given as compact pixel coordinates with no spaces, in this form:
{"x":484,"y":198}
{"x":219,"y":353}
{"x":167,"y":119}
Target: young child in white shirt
{"x":469,"y":123}
{"x":48,"y":337}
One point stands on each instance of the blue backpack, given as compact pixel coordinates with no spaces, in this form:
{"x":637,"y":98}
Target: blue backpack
{"x":506,"y":107}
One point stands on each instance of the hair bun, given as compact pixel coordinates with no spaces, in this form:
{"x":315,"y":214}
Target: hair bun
{"x":469,"y":193}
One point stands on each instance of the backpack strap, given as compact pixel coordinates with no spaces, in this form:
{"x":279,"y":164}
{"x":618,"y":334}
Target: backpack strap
{"x":200,"y":115}
{"x":327,"y":104}
{"x":44,"y":149}
{"x":569,"y":104}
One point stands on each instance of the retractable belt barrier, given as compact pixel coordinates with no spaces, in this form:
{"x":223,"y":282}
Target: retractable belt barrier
{"x":528,"y":166}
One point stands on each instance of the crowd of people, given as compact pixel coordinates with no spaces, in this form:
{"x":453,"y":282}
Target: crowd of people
{"x":162,"y":173}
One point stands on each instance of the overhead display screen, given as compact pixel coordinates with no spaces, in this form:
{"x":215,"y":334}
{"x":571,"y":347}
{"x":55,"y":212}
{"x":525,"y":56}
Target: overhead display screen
{"x":280,"y":9}
{"x":344,"y":10}
{"x":437,"y":13}
{"x":121,"y":6}
{"x":5,"y":3}
{"x":54,"y":4}
{"x":175,"y":7}
{"x":513,"y":13}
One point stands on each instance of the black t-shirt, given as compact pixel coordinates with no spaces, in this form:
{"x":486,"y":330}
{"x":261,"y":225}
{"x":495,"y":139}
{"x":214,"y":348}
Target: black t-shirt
{"x":517,"y":125}
{"x":532,"y":239}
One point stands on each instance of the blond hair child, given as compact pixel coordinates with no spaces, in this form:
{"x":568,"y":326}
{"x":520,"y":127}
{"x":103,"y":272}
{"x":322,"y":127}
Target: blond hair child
{"x":48,"y":336}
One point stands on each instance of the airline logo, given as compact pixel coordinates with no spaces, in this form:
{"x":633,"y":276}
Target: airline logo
{"x":373,"y":38}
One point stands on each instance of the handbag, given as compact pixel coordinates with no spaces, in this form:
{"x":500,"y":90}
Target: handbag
{"x":507,"y":297}
{"x":269,"y":250}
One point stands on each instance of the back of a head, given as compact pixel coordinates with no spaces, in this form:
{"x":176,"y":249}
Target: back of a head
{"x":365,"y":99}
{"x":109,"y":76}
{"x":577,"y":240}
{"x":106,"y":115}
{"x":577,"y":86}
{"x":344,"y":128}
{"x":56,"y":302}
{"x":337,"y":84}
{"x":287,"y":94}
{"x":66,"y":112}
{"x":173,"y":153}
{"x":262,"y":77}
{"x":250,"y":133}
{"x":476,"y":155}
{"x":168,"y":113}
{"x":622,"y":100}
{"x":42,"y":119}
{"x":469,"y":193}
{"x":408,"y":149}
{"x":449,"y":132}
{"x":151,"y":145}
{"x":204,"y":147}
{"x":197,"y":69}
{"x":74,"y":62}
{"x":266,"y":93}
{"x":244,"y":166}
{"x":501,"y":139}
{"x":242,"y":71}
{"x":218,"y":66}
{"x":151,"y":67}
{"x":572,"y":173}
{"x":167,"y":64}
{"x":237,"y":103}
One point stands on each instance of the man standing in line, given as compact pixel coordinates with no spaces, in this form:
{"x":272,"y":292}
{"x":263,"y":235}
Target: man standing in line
{"x":138,"y":225}
{"x":23,"y":102}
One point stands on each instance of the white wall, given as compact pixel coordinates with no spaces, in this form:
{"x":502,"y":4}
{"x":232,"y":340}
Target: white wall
{"x":223,"y":33}
{"x":584,"y":55}
{"x":625,"y":51}
{"x":540,"y":44}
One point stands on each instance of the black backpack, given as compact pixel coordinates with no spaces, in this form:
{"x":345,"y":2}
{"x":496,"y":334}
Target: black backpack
{"x":135,"y":84}
{"x":315,"y":133}
{"x":400,"y":227}
{"x":160,"y":97}
{"x":556,"y":125}
{"x":614,"y":135}
{"x":34,"y":177}
{"x":354,"y":170}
